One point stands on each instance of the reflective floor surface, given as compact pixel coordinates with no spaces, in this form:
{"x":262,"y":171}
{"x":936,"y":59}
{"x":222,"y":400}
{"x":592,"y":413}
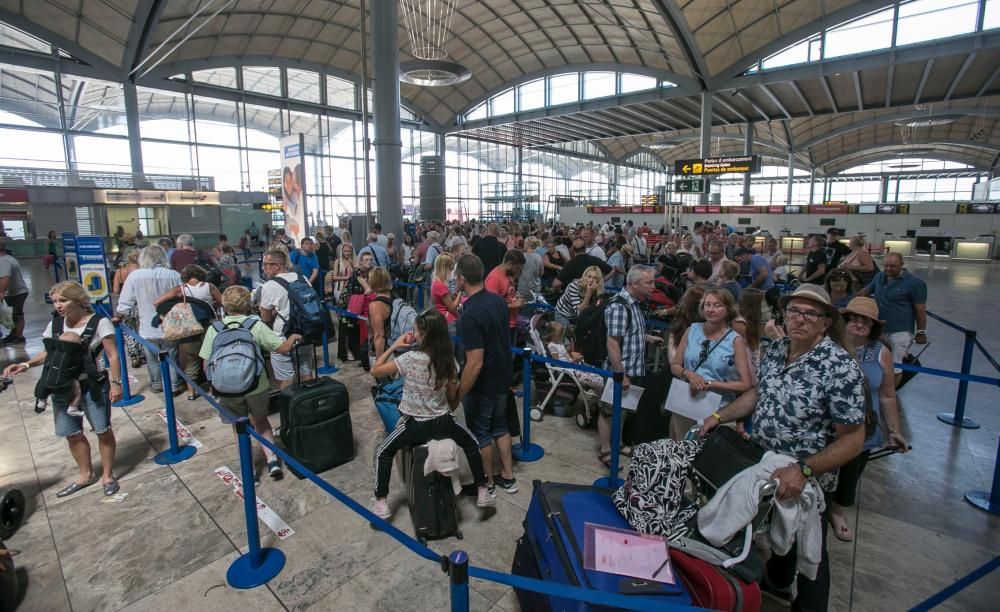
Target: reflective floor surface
{"x":169,"y":543}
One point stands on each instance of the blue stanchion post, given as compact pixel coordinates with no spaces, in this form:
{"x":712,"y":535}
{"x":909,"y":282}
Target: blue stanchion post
{"x":257,"y":565}
{"x":613,"y":481}
{"x":458,"y":571}
{"x":127,"y":398}
{"x":958,"y":419}
{"x":327,"y":367}
{"x":526,"y":451}
{"x":175,"y":453}
{"x":988,"y":500}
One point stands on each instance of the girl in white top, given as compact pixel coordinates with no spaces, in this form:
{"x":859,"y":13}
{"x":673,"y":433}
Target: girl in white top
{"x":430,"y":393}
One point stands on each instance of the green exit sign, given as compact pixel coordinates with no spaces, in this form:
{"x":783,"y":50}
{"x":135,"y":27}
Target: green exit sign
{"x":691,"y":186}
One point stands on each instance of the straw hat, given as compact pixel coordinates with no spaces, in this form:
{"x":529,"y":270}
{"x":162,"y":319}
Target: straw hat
{"x":864,"y":306}
{"x":813,"y":293}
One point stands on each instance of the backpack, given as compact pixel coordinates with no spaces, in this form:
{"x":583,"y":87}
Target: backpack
{"x":306,"y":315}
{"x":236,"y":363}
{"x":402,"y":318}
{"x":212,"y":272}
{"x":66,"y":361}
{"x":592,"y":331}
{"x":387,"y":397}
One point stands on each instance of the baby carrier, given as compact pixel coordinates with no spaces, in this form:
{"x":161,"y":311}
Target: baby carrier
{"x":66,"y":362}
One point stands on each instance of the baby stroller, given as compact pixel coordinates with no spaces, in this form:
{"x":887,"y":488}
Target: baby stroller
{"x":559,"y":384}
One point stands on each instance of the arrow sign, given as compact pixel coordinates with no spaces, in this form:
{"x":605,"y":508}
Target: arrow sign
{"x":691,"y":185}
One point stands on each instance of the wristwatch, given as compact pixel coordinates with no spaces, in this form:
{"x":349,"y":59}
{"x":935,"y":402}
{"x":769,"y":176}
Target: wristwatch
{"x":806,"y":470}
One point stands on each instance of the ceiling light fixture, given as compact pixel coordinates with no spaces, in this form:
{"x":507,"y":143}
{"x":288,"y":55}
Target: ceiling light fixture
{"x":659,"y":145}
{"x":928,"y":121}
{"x":433,"y":73}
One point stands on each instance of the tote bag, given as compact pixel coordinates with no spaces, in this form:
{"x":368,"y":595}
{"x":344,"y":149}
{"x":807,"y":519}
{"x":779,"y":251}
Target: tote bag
{"x":180,"y":322}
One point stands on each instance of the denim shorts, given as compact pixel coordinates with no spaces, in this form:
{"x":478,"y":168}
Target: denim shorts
{"x":98,"y":414}
{"x":486,"y":416}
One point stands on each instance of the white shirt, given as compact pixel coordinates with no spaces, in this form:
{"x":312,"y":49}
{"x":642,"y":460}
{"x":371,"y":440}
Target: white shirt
{"x":141,"y":288}
{"x":597,"y":251}
{"x":201,"y":291}
{"x":274,"y":297}
{"x":104,"y":329}
{"x":383,"y":241}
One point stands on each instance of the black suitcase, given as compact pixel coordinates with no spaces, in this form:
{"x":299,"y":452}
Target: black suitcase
{"x":912,"y":360}
{"x":316,"y":423}
{"x":431,"y":498}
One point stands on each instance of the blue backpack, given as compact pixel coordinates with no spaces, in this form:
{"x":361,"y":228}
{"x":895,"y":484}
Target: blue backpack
{"x":306,"y":315}
{"x":236,"y":363}
{"x":387,"y":398}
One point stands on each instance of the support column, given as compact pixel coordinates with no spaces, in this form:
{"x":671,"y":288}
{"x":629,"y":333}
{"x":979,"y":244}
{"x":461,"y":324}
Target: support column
{"x":883,"y":189}
{"x":132,"y":122}
{"x":388,"y":147}
{"x":812,"y":185}
{"x":747,"y":150}
{"x":791,"y":175}
{"x":706,"y":133}
{"x":439,"y":144}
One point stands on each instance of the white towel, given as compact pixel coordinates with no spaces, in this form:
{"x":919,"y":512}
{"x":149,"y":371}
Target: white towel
{"x":442,"y":457}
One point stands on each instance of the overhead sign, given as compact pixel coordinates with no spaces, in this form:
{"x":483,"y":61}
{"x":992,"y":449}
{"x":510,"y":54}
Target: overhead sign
{"x":743,"y":164}
{"x":144,"y":196}
{"x":13,"y":196}
{"x":93,"y":266}
{"x":69,"y":256}
{"x":829,"y":209}
{"x":691,"y":185}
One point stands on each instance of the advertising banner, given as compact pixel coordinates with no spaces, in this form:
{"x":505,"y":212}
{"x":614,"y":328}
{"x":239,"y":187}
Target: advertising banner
{"x":69,"y":256}
{"x":93,"y":266}
{"x":293,"y":186}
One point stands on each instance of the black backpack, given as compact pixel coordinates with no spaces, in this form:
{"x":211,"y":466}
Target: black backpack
{"x":306,"y":313}
{"x":212,"y":272}
{"x":592,"y":331}
{"x":66,"y":361}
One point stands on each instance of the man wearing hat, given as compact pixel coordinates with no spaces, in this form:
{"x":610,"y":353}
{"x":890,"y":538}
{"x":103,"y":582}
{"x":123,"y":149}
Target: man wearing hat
{"x":809,"y":405}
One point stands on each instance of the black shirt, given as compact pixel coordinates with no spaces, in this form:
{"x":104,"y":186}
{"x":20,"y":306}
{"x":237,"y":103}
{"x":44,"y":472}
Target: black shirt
{"x":813,"y":260}
{"x":323,"y":255}
{"x":574,"y":269}
{"x":835,"y":251}
{"x":484,"y":325}
{"x":490,"y":251}
{"x":555,"y":259}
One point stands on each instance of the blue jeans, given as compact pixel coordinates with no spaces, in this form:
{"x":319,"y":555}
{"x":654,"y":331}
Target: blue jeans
{"x":486,"y":416}
{"x":153,"y":364}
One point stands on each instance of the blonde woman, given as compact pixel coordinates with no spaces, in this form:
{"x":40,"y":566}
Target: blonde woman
{"x":73,"y":313}
{"x":581,"y":293}
{"x":443,"y":299}
{"x":340,"y":272}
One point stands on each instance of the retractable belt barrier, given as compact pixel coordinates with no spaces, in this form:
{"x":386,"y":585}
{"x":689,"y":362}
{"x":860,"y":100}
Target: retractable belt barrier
{"x":260,"y":564}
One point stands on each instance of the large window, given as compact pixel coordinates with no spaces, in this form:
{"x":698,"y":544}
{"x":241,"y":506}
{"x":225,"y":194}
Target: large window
{"x":562,"y":89}
{"x":906,"y":23}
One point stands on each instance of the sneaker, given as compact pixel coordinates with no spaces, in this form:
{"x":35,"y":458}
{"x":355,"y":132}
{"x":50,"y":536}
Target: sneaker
{"x":486,"y":498}
{"x":274,"y":470}
{"x":782,"y":595}
{"x":491,"y":490}
{"x":380,"y":508}
{"x":509,"y":486}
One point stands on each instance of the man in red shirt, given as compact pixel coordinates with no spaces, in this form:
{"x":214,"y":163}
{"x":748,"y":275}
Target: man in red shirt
{"x":502,"y":281}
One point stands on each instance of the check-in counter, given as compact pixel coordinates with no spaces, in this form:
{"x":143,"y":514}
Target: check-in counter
{"x":975,"y":249}
{"x":903,"y":246}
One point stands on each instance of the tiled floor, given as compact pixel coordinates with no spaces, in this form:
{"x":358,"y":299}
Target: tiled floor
{"x":169,"y":543}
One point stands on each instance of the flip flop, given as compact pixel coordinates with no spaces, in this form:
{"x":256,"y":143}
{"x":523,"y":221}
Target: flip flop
{"x":842,"y":532}
{"x":73,"y":488}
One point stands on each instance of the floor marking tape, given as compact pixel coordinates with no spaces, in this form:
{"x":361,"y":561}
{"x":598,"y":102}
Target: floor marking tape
{"x":184,"y":436}
{"x":264,"y":512}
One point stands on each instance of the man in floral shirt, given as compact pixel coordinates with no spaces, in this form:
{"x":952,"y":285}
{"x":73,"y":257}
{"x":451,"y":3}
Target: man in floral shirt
{"x":809,"y":405}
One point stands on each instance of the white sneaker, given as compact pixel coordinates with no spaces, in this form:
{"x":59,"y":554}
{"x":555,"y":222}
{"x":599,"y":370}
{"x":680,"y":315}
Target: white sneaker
{"x":486,"y":498}
{"x":380,"y":508}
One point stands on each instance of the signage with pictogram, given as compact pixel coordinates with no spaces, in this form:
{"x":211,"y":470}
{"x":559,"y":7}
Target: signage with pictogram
{"x":691,"y":185}
{"x":743,"y":164}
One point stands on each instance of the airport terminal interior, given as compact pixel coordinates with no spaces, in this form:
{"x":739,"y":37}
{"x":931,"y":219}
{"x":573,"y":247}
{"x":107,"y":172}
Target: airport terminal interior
{"x":776,"y":118}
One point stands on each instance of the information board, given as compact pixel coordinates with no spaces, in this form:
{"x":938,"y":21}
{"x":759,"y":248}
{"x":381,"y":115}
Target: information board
{"x":69,"y":256}
{"x":93,"y":266}
{"x":743,"y":164}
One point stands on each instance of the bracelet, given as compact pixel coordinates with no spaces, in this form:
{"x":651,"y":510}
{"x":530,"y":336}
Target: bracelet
{"x":27,"y":366}
{"x":116,"y":382}
{"x":921,"y":332}
{"x":716,"y":415}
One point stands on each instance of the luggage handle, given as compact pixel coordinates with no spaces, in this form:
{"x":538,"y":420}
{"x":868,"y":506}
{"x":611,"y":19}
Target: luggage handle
{"x":917,"y":355}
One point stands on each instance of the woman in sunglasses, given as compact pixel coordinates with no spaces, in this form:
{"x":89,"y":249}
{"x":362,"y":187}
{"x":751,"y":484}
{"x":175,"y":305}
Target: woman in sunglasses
{"x":711,"y":356}
{"x":864,"y":329}
{"x":840,"y":286}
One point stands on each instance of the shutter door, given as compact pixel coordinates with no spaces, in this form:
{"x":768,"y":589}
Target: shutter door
{"x":194,"y":220}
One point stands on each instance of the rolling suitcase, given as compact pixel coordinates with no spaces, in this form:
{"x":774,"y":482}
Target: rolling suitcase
{"x":431,"y":498}
{"x":714,"y":588}
{"x":551,"y":549}
{"x":316,"y":423}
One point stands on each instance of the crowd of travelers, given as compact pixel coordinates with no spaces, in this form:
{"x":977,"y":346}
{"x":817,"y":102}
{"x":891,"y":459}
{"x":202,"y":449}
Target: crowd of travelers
{"x":801,"y":357}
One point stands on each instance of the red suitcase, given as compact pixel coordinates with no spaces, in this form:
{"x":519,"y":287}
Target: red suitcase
{"x":714,"y":588}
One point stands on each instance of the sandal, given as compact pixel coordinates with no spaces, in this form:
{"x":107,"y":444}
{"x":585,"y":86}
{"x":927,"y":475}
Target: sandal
{"x":625,"y":451}
{"x":841,"y":530}
{"x":192,"y":397}
{"x":605,"y":458}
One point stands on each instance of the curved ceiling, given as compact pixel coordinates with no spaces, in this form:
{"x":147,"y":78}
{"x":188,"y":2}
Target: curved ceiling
{"x":824,"y":108}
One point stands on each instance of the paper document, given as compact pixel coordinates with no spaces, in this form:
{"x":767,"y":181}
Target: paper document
{"x":627,"y":553}
{"x":699,"y":407}
{"x":630,"y":398}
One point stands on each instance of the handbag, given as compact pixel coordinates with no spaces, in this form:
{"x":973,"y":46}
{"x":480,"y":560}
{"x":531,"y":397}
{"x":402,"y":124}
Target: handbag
{"x":356,"y":303}
{"x":180,"y":322}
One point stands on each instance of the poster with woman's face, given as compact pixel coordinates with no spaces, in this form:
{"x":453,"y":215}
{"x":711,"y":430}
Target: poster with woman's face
{"x":293,"y":180}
